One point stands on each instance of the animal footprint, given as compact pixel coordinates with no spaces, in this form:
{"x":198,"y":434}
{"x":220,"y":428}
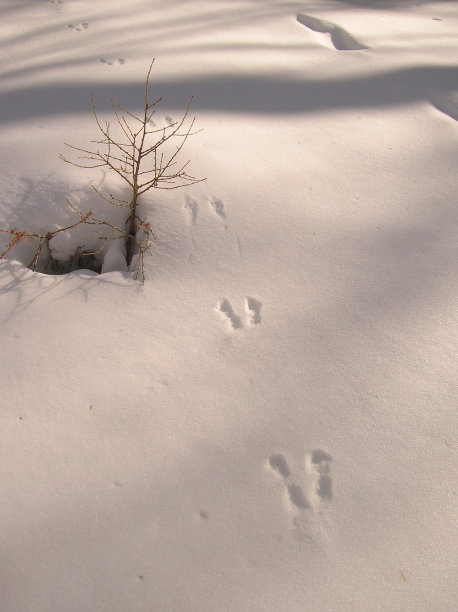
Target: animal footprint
{"x":253,"y":309}
{"x":295,"y":493}
{"x":218,"y":207}
{"x":226,"y":308}
{"x":279,"y":464}
{"x":321,"y":464}
{"x":297,"y":497}
{"x":191,"y":206}
{"x":252,"y":313}
{"x":120,"y":61}
{"x":317,"y":480}
{"x":340,"y":38}
{"x":79,"y":27}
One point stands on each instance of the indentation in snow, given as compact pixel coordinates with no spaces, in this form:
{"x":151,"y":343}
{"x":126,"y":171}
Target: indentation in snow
{"x":340,"y":38}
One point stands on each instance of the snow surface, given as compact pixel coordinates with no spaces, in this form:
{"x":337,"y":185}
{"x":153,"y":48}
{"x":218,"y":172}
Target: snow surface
{"x":270,"y":422}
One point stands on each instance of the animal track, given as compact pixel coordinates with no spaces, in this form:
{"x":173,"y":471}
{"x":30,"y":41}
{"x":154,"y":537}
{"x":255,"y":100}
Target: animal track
{"x":321,"y":463}
{"x":191,"y":206}
{"x":226,"y":308}
{"x":296,"y":496}
{"x":120,"y":61}
{"x":218,"y":207}
{"x":340,"y":38}
{"x":279,"y":463}
{"x":79,"y":27}
{"x":252,"y":309}
{"x":317,"y":479}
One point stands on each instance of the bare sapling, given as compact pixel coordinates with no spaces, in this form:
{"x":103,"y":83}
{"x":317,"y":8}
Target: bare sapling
{"x":145,"y":157}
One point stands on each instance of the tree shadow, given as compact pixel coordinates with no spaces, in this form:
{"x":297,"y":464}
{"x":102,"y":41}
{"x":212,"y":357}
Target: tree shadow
{"x":243,"y":93}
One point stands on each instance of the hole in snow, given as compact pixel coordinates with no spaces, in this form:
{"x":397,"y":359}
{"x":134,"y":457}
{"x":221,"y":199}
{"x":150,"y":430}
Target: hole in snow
{"x":49,"y":237}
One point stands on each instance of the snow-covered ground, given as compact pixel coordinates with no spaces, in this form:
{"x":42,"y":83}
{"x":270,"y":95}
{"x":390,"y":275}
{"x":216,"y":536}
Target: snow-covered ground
{"x":269,"y":423}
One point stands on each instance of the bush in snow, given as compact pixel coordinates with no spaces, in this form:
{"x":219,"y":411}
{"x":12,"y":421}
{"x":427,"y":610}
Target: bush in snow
{"x":145,"y":157}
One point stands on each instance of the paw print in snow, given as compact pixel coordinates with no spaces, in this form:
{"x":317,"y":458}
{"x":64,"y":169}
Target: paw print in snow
{"x":119,"y":61}
{"x":320,"y":463}
{"x":252,"y":313}
{"x":79,"y":27}
{"x":317,"y":480}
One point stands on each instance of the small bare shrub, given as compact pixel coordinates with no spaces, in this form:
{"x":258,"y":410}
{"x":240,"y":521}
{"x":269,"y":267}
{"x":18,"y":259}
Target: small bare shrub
{"x":145,"y":157}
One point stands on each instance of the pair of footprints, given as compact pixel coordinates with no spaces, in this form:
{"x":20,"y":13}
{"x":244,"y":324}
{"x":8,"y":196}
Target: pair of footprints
{"x":192,"y":207}
{"x":318,"y":487}
{"x":121,"y":61}
{"x":79,"y":27}
{"x":252,"y":308}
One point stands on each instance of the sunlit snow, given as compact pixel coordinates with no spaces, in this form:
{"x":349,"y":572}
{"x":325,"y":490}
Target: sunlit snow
{"x":269,"y":422}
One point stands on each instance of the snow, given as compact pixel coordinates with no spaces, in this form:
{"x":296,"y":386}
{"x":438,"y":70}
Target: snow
{"x":269,"y":423}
